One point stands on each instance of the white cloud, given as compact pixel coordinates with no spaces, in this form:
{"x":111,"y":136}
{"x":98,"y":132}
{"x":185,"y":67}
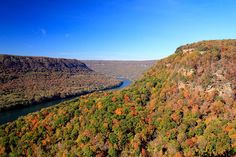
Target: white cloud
{"x":43,"y":31}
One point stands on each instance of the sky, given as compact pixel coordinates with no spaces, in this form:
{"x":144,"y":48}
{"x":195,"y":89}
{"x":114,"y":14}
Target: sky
{"x":111,"y":29}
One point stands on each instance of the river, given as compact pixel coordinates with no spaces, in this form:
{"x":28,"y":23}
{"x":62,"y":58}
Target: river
{"x":13,"y":114}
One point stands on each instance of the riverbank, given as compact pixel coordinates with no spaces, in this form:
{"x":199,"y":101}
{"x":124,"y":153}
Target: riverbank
{"x":56,"y":97}
{"x":14,"y":113}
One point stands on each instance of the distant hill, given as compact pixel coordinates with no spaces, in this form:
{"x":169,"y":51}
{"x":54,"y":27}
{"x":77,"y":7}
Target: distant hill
{"x":10,"y":63}
{"x":27,"y":80}
{"x":184,"y":106}
{"x":129,"y":69}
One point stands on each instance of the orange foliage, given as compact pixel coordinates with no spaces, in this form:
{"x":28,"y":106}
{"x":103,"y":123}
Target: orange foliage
{"x":228,"y":128}
{"x":195,"y":109}
{"x":34,"y":120}
{"x":185,"y":109}
{"x":100,"y":155}
{"x":48,"y":115}
{"x":126,"y":98}
{"x":113,"y":99}
{"x":152,"y":104}
{"x":44,"y":142}
{"x":175,"y":117}
{"x":176,"y":106}
{"x":119,"y":111}
{"x":148,"y":120}
{"x":210,"y":96}
{"x":133,"y":111}
{"x":106,"y":94}
{"x":87,"y":133}
{"x":210,"y":118}
{"x":86,"y":110}
{"x":2,"y":150}
{"x":64,"y":153}
{"x":143,"y":152}
{"x":99,"y":105}
{"x":186,"y":94}
{"x":234,"y":145}
{"x":233,"y":136}
{"x":178,"y":154}
{"x":180,"y":102}
{"x":136,"y":145}
{"x":81,"y":145}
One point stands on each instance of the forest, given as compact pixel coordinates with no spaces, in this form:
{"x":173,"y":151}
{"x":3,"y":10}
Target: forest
{"x":30,"y":80}
{"x":185,"y":105}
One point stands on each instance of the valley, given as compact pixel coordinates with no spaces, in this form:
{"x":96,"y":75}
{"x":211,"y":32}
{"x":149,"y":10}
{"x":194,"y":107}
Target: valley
{"x":184,"y":105}
{"x":13,"y":114}
{"x":30,"y":80}
{"x":117,"y":78}
{"x":132,"y":70}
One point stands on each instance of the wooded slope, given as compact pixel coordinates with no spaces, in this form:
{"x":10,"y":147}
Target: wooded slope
{"x":27,"y":80}
{"x":185,"y":105}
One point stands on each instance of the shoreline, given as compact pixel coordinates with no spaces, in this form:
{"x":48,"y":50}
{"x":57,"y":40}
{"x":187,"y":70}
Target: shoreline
{"x":11,"y":114}
{"x":57,"y":98}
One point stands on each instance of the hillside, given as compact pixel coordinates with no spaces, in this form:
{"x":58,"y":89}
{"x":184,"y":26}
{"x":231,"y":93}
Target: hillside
{"x":40,"y":64}
{"x":185,"y":105}
{"x":132,"y":70}
{"x":27,"y":80}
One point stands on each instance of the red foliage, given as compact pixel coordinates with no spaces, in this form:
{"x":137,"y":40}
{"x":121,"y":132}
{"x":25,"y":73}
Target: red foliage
{"x":190,"y":142}
{"x":126,"y":98}
{"x":133,"y":111}
{"x":175,"y":117}
{"x":144,"y":152}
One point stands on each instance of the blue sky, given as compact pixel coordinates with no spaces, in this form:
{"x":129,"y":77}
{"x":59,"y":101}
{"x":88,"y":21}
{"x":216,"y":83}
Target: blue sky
{"x":111,"y":29}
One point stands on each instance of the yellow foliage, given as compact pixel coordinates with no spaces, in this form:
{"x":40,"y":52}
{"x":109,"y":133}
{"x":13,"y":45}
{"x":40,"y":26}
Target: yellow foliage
{"x":152,"y":104}
{"x":210,"y":118}
{"x":105,"y":125}
{"x":99,"y":105}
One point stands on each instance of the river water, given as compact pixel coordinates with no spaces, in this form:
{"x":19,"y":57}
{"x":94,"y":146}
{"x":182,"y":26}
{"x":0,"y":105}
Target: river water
{"x":13,"y":114}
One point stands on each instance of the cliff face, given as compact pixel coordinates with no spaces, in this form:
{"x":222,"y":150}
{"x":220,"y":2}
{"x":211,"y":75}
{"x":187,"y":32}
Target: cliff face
{"x":185,"y":105}
{"x":27,"y":80}
{"x":211,"y":65}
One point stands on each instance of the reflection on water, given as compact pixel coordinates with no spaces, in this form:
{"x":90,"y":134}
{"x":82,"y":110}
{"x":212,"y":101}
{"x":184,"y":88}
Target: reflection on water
{"x":125,"y":83}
